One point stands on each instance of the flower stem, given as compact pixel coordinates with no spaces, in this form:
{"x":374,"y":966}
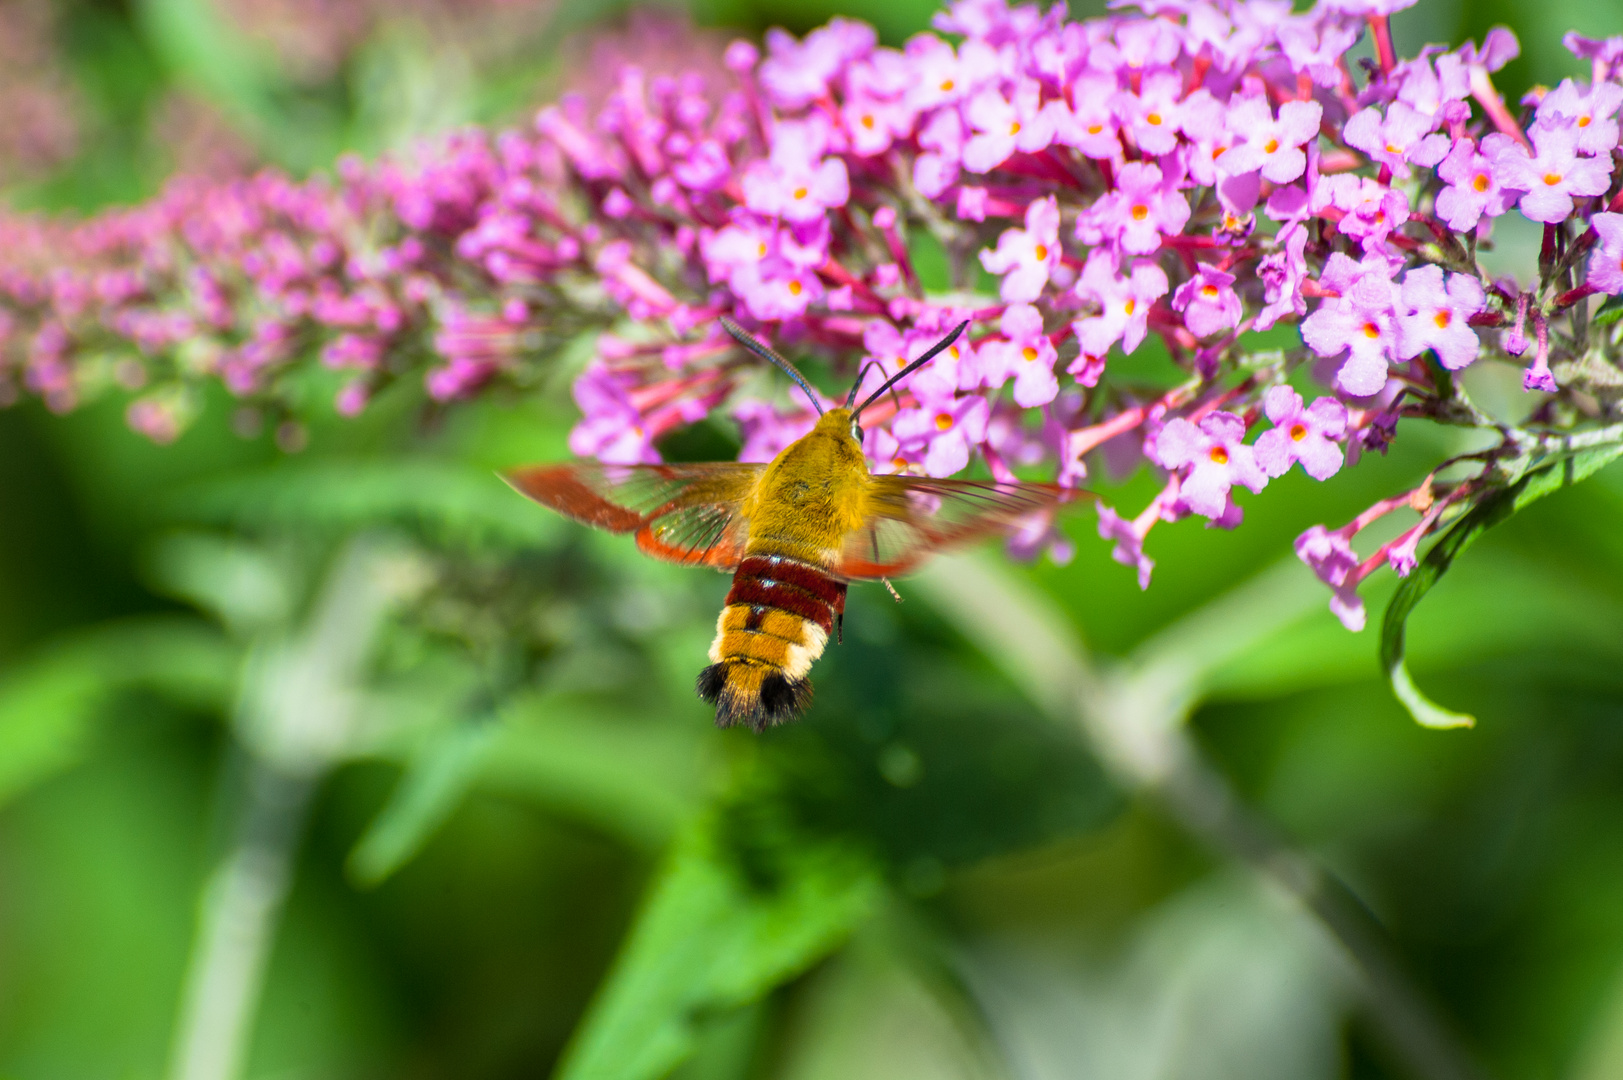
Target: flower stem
{"x":1133,"y":715}
{"x":241,"y":908}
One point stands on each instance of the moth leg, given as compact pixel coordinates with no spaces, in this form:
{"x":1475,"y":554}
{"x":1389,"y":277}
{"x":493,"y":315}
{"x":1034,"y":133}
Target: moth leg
{"x":891,"y":589}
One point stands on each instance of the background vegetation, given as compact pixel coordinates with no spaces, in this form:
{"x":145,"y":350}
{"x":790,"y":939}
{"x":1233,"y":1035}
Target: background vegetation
{"x":449,"y":748}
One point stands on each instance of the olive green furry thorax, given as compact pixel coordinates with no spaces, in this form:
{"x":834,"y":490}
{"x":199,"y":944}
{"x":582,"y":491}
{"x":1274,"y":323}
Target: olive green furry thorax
{"x":812,"y":495}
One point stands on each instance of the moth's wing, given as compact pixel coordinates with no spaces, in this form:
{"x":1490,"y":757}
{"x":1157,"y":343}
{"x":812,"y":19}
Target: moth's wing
{"x":687,"y":514}
{"x":910,"y":518}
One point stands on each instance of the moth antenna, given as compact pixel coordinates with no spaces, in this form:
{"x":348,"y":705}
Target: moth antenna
{"x":771,"y":356}
{"x":935,"y":349}
{"x":863,"y":374}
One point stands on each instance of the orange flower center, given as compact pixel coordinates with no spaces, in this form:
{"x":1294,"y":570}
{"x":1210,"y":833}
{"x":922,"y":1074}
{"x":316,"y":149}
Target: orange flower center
{"x":1129,"y":306}
{"x":1371,"y":330}
{"x":943,"y":421}
{"x":1219,"y":456}
{"x":1552,"y":179}
{"x":796,"y":288}
{"x":1154,"y":118}
{"x":1029,"y":353}
{"x":946,"y":86}
{"x":1094,"y":129}
{"x":1014,"y":128}
{"x":1583,"y":121}
{"x":1482,"y":182}
{"x":1041,"y":251}
{"x":1443,"y":318}
{"x":867,"y":122}
{"x":1140,"y":212}
{"x":801,"y":193}
{"x":1298,"y":432}
{"x":761,"y":252}
{"x":898,"y":464}
{"x":1270,"y":146}
{"x":1390,"y":149}
{"x":1209,"y":291}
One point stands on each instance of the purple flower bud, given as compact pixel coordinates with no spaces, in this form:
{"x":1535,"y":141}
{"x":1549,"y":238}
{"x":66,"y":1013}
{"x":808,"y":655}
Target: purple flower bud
{"x":1128,"y":540}
{"x":1331,"y":557}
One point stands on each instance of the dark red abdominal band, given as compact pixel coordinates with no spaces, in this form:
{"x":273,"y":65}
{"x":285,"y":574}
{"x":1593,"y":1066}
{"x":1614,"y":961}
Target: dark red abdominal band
{"x":769,"y":593}
{"x":802,"y":576}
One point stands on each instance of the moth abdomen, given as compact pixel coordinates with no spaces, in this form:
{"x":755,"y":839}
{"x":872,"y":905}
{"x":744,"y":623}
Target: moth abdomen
{"x":775,"y":624}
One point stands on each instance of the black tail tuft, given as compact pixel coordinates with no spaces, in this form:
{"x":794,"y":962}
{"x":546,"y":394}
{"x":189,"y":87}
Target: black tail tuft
{"x":711,"y":681}
{"x":752,"y":695}
{"x":783,"y":699}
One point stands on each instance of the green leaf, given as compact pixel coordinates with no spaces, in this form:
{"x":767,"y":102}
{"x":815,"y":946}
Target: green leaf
{"x":745,"y":902}
{"x":1493,"y":509}
{"x":434,"y":783}
{"x":446,"y":501}
{"x":1608,"y":313}
{"x":48,"y":706}
{"x":637,"y":780}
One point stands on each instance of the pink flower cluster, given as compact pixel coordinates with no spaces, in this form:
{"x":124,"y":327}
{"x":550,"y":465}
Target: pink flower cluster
{"x":1191,"y":174}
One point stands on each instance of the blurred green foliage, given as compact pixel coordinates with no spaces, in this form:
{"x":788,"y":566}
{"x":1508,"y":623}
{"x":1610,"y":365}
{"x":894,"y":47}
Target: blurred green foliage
{"x":527,"y":849}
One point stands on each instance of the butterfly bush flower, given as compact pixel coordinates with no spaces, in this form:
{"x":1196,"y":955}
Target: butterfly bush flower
{"x":1474,"y":188}
{"x":1026,"y":357}
{"x":1606,"y":262}
{"x":1027,"y":257}
{"x":1432,"y":316}
{"x":1124,"y":303}
{"x":1555,"y":172}
{"x":1216,"y":458}
{"x":1307,"y":435}
{"x":1135,"y":216}
{"x":1164,"y":180}
{"x":1208,"y":302}
{"x":1270,"y":145}
{"x":1359,"y":322}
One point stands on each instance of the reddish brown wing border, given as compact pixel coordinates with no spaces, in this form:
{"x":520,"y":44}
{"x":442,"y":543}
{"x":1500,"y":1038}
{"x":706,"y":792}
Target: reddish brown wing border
{"x":903,"y":530}
{"x":687,"y":514}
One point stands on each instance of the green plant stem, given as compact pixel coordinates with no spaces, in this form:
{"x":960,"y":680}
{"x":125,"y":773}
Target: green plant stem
{"x":299,"y":713}
{"x":1133,"y":714}
{"x":241,"y":908}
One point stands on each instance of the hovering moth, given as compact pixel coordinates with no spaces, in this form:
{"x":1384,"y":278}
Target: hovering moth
{"x":794,"y":533}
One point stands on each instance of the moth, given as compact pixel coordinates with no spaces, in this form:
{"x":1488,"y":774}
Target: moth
{"x":794,"y":533}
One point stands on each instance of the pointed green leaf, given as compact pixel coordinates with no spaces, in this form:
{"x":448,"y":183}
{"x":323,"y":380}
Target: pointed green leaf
{"x":1609,"y":313}
{"x":745,"y":902}
{"x":48,"y":705}
{"x":1489,"y":511}
{"x":435,"y":781}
